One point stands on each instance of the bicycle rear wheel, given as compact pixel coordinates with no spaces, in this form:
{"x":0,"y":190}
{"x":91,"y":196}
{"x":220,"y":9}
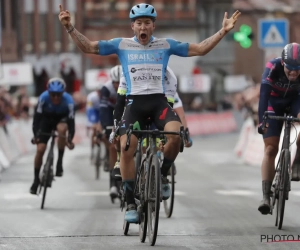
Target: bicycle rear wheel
{"x":125,"y":226}
{"x":283,"y":185}
{"x":45,"y":181}
{"x":153,"y":189}
{"x":98,"y":161}
{"x":169,"y":204}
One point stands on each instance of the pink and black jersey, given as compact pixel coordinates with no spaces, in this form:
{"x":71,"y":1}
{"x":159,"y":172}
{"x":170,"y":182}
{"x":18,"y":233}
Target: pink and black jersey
{"x":274,"y":84}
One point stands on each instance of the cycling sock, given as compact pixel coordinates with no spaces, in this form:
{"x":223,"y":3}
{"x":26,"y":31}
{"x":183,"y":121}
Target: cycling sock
{"x":112,"y":181}
{"x":36,"y":173}
{"x":118,"y":156}
{"x":107,"y":153}
{"x":128,"y":186}
{"x":166,"y":165}
{"x":60,"y":156}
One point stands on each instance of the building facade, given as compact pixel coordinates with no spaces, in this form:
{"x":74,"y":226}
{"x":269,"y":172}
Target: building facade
{"x":31,"y":32}
{"x":251,"y":61}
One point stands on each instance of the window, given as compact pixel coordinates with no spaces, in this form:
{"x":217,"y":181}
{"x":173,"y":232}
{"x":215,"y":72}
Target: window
{"x":29,"y":32}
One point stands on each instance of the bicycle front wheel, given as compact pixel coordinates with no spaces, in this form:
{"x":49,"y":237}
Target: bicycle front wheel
{"x":143,"y":203}
{"x":169,"y":204}
{"x":45,"y":181}
{"x":153,"y":205}
{"x":125,"y":226}
{"x":98,"y":161}
{"x":283,"y":185}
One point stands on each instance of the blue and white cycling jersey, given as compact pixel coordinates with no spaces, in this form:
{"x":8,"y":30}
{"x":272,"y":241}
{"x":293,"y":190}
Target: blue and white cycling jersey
{"x":170,"y":85}
{"x":144,"y":66}
{"x":92,"y":108}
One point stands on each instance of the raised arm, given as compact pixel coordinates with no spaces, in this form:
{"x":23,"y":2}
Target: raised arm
{"x":82,"y":42}
{"x":200,"y":49}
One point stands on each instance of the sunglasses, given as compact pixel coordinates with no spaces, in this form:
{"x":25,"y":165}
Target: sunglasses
{"x":292,"y":68}
{"x":55,"y":94}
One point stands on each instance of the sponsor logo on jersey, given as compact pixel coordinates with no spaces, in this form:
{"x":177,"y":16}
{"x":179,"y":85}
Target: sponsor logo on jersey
{"x":294,"y":86}
{"x":156,"y":45}
{"x":133,"y":70}
{"x":71,"y":111}
{"x":133,"y":45}
{"x":146,"y":57}
{"x":145,"y":77}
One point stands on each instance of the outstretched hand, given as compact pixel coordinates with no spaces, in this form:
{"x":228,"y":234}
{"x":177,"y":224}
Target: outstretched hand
{"x":228,"y":24}
{"x":64,"y":16}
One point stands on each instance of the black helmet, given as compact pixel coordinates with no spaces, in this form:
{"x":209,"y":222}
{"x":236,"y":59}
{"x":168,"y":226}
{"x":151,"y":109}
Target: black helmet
{"x":291,"y":56}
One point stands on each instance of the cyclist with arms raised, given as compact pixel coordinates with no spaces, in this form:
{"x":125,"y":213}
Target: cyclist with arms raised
{"x":54,"y":111}
{"x":144,"y":60}
{"x":280,"y":89}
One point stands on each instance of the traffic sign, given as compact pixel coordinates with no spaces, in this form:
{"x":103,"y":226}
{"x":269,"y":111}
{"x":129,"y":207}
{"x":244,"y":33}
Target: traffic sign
{"x":273,"y":33}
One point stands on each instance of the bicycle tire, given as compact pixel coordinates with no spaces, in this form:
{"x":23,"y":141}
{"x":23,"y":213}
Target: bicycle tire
{"x":169,"y":204}
{"x":125,"y":227}
{"x":45,"y":181}
{"x":98,"y":162}
{"x":143,"y":201}
{"x":284,"y":179}
{"x":153,"y":198}
{"x":274,"y":199}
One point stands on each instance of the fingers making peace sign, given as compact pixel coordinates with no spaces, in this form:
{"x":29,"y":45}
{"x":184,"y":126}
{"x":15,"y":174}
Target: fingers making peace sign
{"x":64,"y":16}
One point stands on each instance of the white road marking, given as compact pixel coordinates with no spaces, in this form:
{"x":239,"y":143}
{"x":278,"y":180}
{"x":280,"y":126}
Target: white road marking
{"x":179,"y":193}
{"x":235,"y":192}
{"x":296,"y":192}
{"x":19,"y":196}
{"x":93,"y":193}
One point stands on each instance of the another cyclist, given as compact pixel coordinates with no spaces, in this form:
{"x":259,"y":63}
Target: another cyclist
{"x":280,"y":89}
{"x":93,"y":117}
{"x":54,"y":111}
{"x":144,"y":60}
{"x":108,"y":98}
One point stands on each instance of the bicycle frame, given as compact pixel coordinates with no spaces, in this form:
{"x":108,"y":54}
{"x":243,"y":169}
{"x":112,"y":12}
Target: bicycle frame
{"x":281,"y":184}
{"x":151,"y":168}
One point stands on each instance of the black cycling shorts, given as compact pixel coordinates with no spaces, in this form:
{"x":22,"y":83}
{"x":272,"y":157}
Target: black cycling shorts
{"x":49,"y":124}
{"x":107,"y":119}
{"x":277,"y":106}
{"x":139,"y":108}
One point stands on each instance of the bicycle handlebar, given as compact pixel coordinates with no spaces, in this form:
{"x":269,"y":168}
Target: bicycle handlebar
{"x":155,"y":132}
{"x":289,"y":119}
{"x":280,"y":118}
{"x":54,"y":133}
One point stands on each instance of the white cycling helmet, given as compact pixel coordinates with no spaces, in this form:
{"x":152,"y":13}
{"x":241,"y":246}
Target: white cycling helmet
{"x":115,"y":73}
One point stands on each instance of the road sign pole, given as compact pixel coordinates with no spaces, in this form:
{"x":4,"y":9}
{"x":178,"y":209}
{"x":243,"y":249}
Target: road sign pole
{"x":271,"y":53}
